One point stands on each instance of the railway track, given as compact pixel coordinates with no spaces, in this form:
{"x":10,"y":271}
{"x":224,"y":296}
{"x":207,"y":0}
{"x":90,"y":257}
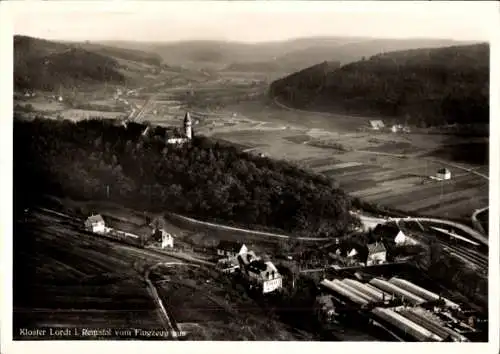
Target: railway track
{"x":477,"y":259}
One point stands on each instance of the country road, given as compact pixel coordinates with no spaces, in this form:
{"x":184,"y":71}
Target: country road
{"x":169,"y":322}
{"x":257,"y":233}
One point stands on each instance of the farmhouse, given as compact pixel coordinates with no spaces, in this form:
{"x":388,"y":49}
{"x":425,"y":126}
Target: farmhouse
{"x":377,"y":254}
{"x":443,"y":174}
{"x":95,"y":223}
{"x":166,"y":239}
{"x":231,"y":248}
{"x":402,"y":239}
{"x":377,"y":124}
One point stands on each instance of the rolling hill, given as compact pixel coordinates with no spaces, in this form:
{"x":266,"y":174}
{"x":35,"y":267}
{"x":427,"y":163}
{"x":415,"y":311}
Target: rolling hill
{"x":284,"y":56}
{"x":428,"y":87}
{"x":47,"y":65}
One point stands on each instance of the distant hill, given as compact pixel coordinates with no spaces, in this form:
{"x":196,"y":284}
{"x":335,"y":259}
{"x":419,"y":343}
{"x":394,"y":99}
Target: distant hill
{"x":432,"y":86}
{"x":121,"y":53}
{"x":286,"y":56}
{"x":43,"y":64}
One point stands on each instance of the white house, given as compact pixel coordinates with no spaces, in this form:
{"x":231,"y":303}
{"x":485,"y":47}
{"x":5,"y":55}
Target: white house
{"x":166,"y":240}
{"x":377,"y":124}
{"x":231,"y":248}
{"x":352,"y":253}
{"x":443,"y":174}
{"x":402,"y":239}
{"x":95,"y":223}
{"x":260,"y":274}
{"x":377,"y":254}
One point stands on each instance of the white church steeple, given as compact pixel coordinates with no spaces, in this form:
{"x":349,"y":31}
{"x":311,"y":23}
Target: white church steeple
{"x":187,"y":126}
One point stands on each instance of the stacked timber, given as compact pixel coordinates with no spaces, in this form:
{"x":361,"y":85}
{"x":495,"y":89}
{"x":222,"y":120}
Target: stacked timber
{"x":411,"y":328}
{"x":368,"y":289}
{"x":340,"y":289}
{"x":346,"y":286}
{"x":434,"y":326}
{"x":393,"y":289}
{"x":421,"y":292}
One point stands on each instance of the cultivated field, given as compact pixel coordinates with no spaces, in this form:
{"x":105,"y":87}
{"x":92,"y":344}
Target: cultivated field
{"x":390,"y":169}
{"x":65,"y":277}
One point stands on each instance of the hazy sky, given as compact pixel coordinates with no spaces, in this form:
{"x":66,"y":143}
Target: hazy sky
{"x":252,"y":21}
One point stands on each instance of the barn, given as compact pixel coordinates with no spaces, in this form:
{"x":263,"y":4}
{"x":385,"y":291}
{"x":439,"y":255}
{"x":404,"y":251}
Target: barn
{"x":443,"y":173}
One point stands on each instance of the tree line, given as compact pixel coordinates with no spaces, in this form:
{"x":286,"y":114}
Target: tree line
{"x":99,"y":159}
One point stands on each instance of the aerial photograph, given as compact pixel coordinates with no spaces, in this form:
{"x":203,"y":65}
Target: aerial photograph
{"x":238,"y":172}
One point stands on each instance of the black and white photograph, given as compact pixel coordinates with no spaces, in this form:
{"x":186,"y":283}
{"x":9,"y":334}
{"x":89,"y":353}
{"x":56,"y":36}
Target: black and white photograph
{"x":251,"y":171}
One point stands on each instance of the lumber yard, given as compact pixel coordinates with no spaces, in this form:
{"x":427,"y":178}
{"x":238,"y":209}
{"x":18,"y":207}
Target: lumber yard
{"x":405,"y":310}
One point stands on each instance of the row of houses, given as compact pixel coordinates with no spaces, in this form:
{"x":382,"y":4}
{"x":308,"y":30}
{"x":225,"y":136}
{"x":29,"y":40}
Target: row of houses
{"x":260,"y":274}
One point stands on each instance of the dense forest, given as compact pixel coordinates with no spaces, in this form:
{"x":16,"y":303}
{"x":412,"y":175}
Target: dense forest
{"x":204,"y":179}
{"x":303,"y":86}
{"x":426,"y":87}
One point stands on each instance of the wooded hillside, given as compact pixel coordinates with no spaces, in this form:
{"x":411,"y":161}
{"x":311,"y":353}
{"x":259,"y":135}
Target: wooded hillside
{"x":204,"y":179}
{"x":422,"y":86}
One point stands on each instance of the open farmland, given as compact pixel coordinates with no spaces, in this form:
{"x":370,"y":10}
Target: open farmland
{"x":64,"y":277}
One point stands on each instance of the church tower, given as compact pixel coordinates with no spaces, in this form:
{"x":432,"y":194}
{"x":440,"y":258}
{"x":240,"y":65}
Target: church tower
{"x":187,"y":126}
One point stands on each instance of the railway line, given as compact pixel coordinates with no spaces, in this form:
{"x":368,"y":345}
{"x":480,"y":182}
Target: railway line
{"x":464,"y":253}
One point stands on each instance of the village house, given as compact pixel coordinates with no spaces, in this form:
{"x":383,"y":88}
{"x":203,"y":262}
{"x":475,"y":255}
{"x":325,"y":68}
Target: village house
{"x":228,"y":265}
{"x":443,"y":174}
{"x":377,"y":124}
{"x":166,"y":239}
{"x":260,"y":274}
{"x":95,"y":223}
{"x":377,"y":254}
{"x":231,"y":248}
{"x":402,"y":239}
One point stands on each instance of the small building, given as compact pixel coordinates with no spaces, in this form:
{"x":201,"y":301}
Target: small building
{"x":59,"y":98}
{"x":443,"y":174}
{"x":231,"y":248}
{"x":377,"y":254}
{"x":377,"y":124}
{"x":352,"y":253}
{"x":167,"y":240}
{"x":260,"y":274}
{"x":228,"y":265}
{"x":95,"y":223}
{"x":402,"y":239}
